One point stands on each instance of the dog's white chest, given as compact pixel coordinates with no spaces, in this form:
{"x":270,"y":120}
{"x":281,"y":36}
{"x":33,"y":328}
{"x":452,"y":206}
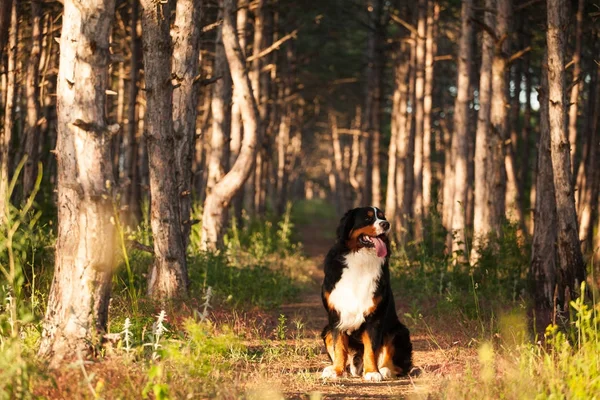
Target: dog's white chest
{"x":352,"y":296}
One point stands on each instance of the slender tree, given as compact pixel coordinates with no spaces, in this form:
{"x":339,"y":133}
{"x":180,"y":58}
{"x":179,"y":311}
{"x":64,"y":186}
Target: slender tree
{"x":543,"y":250}
{"x":460,"y":147}
{"x":186,"y":49}
{"x":9,"y":109}
{"x":572,"y":267}
{"x":168,"y":275}
{"x":218,"y":200}
{"x":32,"y":130}
{"x":77,"y":309}
{"x":481,"y":227}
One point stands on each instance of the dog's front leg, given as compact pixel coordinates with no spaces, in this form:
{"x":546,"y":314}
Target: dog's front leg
{"x":370,"y":370}
{"x":340,"y":356}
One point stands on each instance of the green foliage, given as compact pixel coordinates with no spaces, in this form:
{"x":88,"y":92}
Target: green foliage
{"x":256,"y":285}
{"x":260,"y":238}
{"x":427,"y":271}
{"x":203,"y":350}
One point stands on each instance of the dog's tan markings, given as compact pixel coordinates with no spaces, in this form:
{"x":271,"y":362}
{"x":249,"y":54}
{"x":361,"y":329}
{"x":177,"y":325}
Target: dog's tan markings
{"x":370,"y":213}
{"x":386,"y":356}
{"x":341,"y":353}
{"x":376,"y":301}
{"x":329,"y":345}
{"x":366,"y":230}
{"x":352,"y":242}
{"x":369,"y":359}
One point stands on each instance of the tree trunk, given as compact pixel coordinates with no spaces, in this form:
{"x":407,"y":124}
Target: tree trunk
{"x":9,"y":109}
{"x":130,"y":143}
{"x":499,"y":133}
{"x":168,"y":276}
{"x":32,"y":129}
{"x":430,"y":49}
{"x":186,"y":49}
{"x":5,"y":13}
{"x":370,"y":121}
{"x":218,"y":200}
{"x":481,"y":227}
{"x":237,"y":131}
{"x":577,"y":83}
{"x":461,"y":132}
{"x":588,"y":181}
{"x":221,"y":101}
{"x":569,"y":250}
{"x":85,"y":250}
{"x":418,"y":119}
{"x":543,"y":250}
{"x":251,"y":189}
{"x":402,"y":138}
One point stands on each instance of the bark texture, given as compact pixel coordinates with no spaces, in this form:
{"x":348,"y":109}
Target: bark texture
{"x":168,"y":275}
{"x":85,"y":253}
{"x":460,"y":146}
{"x":218,"y":200}
{"x":543,"y":250}
{"x":186,"y":49}
{"x":481,"y":227}
{"x":572,"y":267}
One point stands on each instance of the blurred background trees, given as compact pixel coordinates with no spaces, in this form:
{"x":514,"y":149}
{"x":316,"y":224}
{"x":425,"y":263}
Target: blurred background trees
{"x":433,"y":109}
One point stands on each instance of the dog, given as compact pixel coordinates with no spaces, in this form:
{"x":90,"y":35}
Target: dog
{"x":364,"y":335}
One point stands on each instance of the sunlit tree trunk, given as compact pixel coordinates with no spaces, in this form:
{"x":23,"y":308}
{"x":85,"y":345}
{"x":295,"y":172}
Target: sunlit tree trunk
{"x":430,"y":49}
{"x":32,"y":129}
{"x":9,"y":108}
{"x":251,"y":189}
{"x":495,"y":168}
{"x":236,"y":117}
{"x":481,"y":227}
{"x":461,"y":131}
{"x":186,"y":49}
{"x":218,"y":200}
{"x":77,"y":310}
{"x":576,"y":89}
{"x":371,"y":115}
{"x":221,"y":101}
{"x":572,"y":267}
{"x":402,"y":136}
{"x":418,"y":118}
{"x":168,"y":275}
{"x":588,"y":181}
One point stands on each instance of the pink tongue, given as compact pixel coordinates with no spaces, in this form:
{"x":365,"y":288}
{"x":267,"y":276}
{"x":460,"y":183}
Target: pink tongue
{"x":379,"y":247}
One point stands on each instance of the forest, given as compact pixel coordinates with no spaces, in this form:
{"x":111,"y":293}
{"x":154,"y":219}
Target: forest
{"x":172,"y":173}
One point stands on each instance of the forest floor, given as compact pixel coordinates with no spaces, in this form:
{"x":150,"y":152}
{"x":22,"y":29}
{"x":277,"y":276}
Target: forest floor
{"x":441,"y":348}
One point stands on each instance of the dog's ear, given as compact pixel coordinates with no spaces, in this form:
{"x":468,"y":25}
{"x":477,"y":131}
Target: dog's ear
{"x":346,"y":223}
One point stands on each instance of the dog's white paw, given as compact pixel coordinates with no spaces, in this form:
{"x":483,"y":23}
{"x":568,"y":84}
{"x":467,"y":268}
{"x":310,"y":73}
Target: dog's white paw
{"x":329,"y":373}
{"x":373,"y":377}
{"x":386,"y":373}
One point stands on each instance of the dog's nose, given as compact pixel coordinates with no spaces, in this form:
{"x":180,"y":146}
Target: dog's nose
{"x":385,"y":225}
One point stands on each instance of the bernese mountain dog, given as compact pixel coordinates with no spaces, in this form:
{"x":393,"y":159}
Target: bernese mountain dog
{"x":364,"y":335}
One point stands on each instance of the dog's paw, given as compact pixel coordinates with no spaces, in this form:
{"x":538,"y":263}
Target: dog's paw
{"x":386,"y":373}
{"x":373,"y":377}
{"x":329,"y":373}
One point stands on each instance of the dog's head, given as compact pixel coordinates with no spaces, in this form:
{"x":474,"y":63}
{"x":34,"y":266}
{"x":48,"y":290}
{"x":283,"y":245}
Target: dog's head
{"x":365,"y":227}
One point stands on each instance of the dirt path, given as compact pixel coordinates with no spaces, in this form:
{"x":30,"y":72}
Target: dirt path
{"x":432,"y":361}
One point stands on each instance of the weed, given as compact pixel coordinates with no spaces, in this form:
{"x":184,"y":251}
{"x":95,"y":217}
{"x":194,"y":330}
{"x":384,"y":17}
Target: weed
{"x":281,"y":329}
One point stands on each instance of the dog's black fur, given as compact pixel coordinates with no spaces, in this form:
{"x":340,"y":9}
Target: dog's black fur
{"x":382,"y":324}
